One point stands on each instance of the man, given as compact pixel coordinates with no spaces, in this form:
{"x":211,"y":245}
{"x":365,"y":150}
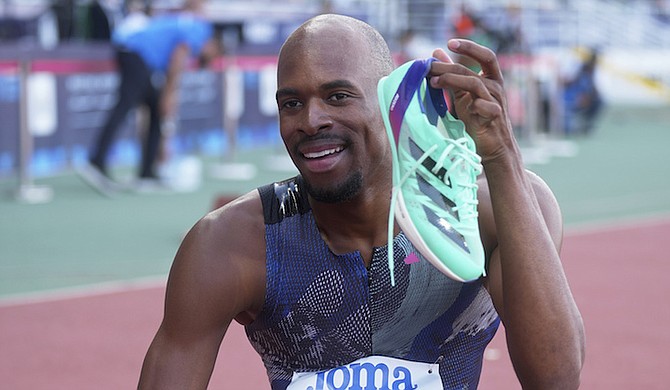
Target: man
{"x":152,"y":54}
{"x":302,"y":263}
{"x":581,"y":97}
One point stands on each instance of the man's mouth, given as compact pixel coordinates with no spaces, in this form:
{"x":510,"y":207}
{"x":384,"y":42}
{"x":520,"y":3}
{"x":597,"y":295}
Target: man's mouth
{"x":323,"y":153}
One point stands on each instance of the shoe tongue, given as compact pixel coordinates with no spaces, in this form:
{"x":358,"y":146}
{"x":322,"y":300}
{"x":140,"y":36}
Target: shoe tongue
{"x":436,"y":96}
{"x":430,"y":109}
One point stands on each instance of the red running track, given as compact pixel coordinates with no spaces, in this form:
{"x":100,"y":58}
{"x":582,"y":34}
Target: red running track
{"x":98,"y":341}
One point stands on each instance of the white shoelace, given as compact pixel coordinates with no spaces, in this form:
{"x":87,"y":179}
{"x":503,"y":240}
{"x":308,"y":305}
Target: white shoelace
{"x":467,"y":209}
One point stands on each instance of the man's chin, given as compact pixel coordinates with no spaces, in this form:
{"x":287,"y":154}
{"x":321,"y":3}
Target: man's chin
{"x":335,"y":192}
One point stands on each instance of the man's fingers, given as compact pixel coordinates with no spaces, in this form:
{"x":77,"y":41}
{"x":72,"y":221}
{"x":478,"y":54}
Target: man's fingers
{"x":484,"y":56}
{"x":485,"y":109}
{"x":442,"y":55}
{"x":462,"y":80}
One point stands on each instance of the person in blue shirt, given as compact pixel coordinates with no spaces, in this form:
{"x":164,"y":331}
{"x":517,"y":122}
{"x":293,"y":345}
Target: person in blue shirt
{"x":151,"y":54}
{"x":581,"y":98}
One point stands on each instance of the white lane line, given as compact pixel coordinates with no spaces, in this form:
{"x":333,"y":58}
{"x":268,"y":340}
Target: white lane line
{"x":83,"y":291}
{"x":616,"y":224}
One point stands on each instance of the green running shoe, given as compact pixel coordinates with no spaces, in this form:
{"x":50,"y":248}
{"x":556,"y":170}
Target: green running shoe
{"x":435,"y":168}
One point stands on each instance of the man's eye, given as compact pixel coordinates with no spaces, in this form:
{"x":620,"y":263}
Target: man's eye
{"x":290,"y":104}
{"x":339,"y":96}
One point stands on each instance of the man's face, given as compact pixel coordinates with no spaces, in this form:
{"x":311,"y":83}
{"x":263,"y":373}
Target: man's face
{"x":329,"y":116}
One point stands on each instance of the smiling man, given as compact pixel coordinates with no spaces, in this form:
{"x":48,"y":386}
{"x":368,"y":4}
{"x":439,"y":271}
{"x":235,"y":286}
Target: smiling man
{"x":303,"y":265}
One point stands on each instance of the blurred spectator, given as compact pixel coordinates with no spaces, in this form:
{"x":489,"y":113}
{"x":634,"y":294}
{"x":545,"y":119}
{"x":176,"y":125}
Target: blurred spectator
{"x":661,"y":10}
{"x":98,"y":24}
{"x":326,"y":6}
{"x":83,"y":21}
{"x":581,"y":98}
{"x":136,"y":19}
{"x":469,"y":25}
{"x":151,"y":53}
{"x":464,"y":25}
{"x":64,"y":11}
{"x":508,"y":33}
{"x":499,"y":30}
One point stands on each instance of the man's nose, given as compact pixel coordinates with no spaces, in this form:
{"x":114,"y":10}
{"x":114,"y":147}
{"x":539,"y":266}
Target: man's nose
{"x":316,"y":117}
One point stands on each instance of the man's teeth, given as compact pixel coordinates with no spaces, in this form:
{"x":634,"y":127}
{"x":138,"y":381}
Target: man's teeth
{"x":323,"y":153}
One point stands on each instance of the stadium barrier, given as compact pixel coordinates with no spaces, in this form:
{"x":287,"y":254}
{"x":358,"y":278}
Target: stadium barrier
{"x":53,"y":108}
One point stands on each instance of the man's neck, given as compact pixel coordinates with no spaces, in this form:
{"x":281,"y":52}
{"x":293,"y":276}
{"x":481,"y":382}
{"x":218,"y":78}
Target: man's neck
{"x":356,"y":225}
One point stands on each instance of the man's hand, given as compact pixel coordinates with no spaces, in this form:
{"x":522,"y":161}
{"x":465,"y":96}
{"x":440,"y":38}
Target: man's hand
{"x":480,"y":99}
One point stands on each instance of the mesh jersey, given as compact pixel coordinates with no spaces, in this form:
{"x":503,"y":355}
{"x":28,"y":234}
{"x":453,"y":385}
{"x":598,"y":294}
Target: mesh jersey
{"x":324,"y":310}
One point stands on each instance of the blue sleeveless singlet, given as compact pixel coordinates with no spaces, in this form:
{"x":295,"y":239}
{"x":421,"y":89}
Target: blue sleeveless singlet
{"x":324,"y":310}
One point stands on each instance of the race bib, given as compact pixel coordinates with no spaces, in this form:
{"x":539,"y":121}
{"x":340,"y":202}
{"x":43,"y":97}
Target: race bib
{"x":372,"y":373}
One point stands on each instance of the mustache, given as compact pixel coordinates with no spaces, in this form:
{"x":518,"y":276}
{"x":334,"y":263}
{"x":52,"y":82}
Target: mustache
{"x":321,"y":138}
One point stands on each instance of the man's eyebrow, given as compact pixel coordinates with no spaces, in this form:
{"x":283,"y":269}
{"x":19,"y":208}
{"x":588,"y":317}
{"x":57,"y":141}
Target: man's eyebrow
{"x":286,"y":92}
{"x":337,"y":84}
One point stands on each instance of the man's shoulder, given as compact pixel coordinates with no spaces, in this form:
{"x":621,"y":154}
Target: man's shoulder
{"x":536,"y":181}
{"x":244,"y":209}
{"x":231,"y":234}
{"x":266,"y":205}
{"x":283,"y":199}
{"x":542,"y":192}
{"x":224,"y":255}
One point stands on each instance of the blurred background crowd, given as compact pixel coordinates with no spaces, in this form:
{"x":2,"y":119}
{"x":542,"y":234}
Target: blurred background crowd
{"x":506,"y":25}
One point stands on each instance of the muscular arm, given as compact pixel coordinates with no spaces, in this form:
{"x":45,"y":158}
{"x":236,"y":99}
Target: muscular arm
{"x":521,"y":230}
{"x":218,"y":275}
{"x":543,"y":327}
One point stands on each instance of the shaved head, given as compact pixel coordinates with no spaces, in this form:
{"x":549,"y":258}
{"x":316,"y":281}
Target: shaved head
{"x":320,"y":29}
